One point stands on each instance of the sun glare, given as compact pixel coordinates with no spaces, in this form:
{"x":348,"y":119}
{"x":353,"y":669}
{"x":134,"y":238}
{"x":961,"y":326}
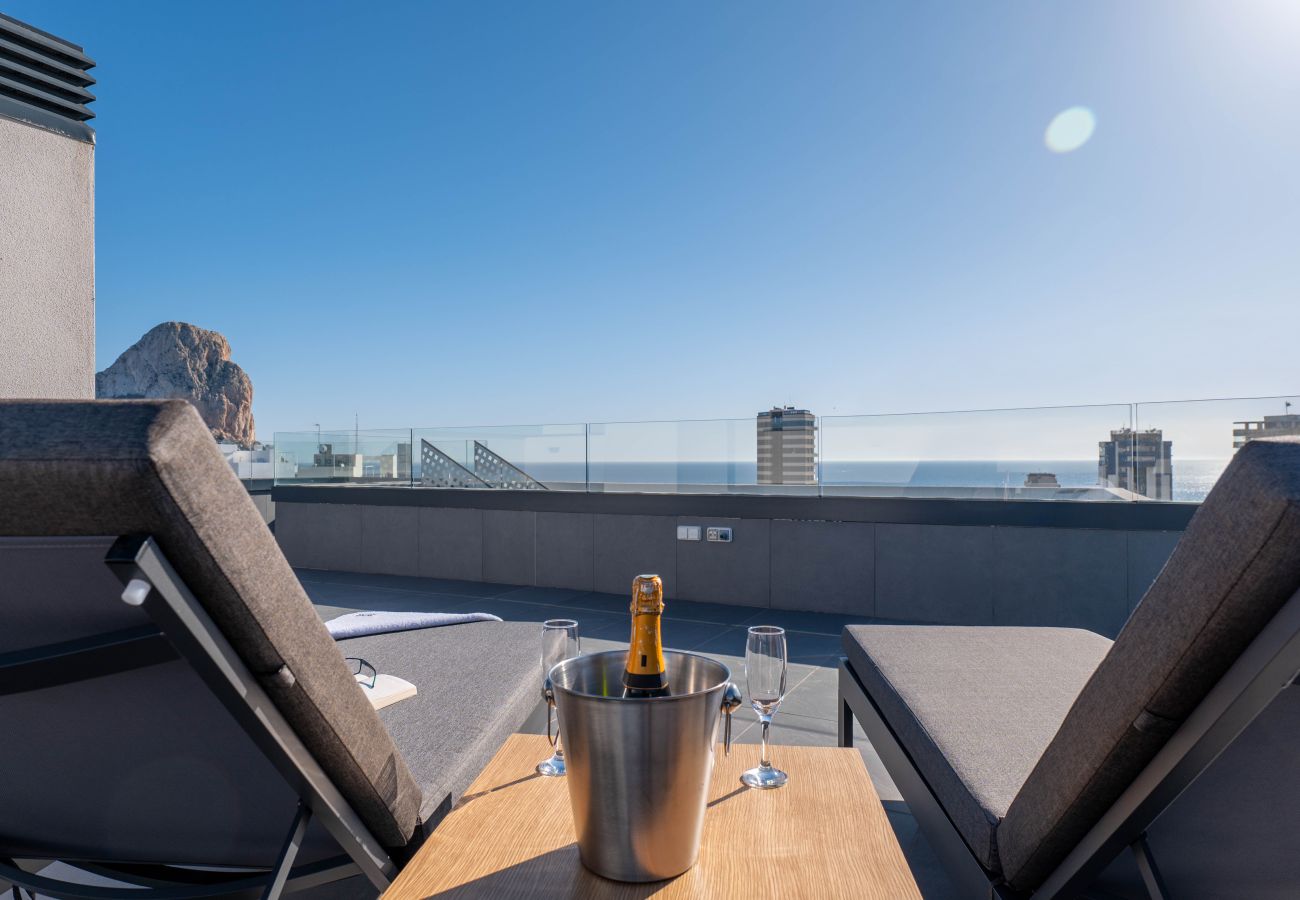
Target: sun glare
{"x":1070,"y":130}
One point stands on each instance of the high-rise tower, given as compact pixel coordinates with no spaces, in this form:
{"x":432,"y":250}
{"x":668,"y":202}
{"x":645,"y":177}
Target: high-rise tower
{"x":787,"y":446}
{"x":1137,"y":461}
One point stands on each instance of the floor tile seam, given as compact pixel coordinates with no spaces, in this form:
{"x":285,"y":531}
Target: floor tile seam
{"x":809,"y":612}
{"x":797,"y":715}
{"x":830,"y":719}
{"x":782,"y":711}
{"x":693,"y":647}
{"x":701,"y":643}
{"x":829,"y":662}
{"x":776,"y":727}
{"x":723,"y":625}
{"x":467,"y":597}
{"x":804,"y":715}
{"x":776,"y":724}
{"x":750,"y":621}
{"x":797,"y":684}
{"x":801,"y":716}
{"x":562,"y":606}
{"x":505,"y":596}
{"x":572,"y":592}
{"x":622,"y":605}
{"x":704,"y":621}
{"x":395,"y":590}
{"x":833,"y":634}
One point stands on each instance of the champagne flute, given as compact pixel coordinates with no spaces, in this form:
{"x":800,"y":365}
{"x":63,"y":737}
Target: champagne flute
{"x":559,"y":642}
{"x":765,"y":671}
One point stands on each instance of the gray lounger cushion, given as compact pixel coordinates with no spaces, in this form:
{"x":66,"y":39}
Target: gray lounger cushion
{"x":974,"y":707}
{"x":475,"y":682}
{"x":1236,"y":565}
{"x":122,"y":467}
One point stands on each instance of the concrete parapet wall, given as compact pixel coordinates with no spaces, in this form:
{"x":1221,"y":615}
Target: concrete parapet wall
{"x":916,"y":571}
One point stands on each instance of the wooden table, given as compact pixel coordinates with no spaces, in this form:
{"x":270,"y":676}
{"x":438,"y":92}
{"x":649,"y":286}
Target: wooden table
{"x":825,"y":834}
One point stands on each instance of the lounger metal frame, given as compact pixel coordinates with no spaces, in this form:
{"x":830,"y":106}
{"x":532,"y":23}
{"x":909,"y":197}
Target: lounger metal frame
{"x":1268,"y":665}
{"x":183,"y":628}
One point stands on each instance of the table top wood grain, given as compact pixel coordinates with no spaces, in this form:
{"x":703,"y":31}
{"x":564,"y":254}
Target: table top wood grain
{"x":825,"y":834}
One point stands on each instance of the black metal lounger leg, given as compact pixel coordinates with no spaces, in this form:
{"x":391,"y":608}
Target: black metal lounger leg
{"x":288,"y":853}
{"x":846,"y":722}
{"x":1146,"y":863}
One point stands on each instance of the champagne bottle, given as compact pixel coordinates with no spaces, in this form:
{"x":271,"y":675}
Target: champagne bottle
{"x":646,"y":674}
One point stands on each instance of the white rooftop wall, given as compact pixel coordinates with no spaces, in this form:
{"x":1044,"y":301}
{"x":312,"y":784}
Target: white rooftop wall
{"x":47,"y":264}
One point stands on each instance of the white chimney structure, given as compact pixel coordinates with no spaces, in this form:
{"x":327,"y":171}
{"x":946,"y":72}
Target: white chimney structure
{"x":47,"y":217}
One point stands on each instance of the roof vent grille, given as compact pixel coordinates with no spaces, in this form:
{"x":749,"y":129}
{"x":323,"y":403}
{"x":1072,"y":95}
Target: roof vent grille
{"x":43,"y":72}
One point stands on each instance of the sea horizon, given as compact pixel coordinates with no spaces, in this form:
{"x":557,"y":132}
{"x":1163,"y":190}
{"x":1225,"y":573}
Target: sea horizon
{"x":1192,"y":478}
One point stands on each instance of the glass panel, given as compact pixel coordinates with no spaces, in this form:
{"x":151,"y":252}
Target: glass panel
{"x":1053,"y":453}
{"x":1151,"y":451}
{"x":514,"y":457}
{"x":371,"y":457}
{"x":1202,"y":436}
{"x":708,"y":456}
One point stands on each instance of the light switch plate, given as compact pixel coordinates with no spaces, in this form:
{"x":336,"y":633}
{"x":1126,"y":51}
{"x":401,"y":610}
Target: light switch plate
{"x":718,"y":535}
{"x":688,"y":532}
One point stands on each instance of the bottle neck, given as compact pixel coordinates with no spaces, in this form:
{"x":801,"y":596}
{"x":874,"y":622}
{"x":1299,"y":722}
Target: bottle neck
{"x":646,"y":669}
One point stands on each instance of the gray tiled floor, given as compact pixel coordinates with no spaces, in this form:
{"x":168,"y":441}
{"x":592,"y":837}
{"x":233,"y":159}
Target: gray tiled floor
{"x":807,"y":715}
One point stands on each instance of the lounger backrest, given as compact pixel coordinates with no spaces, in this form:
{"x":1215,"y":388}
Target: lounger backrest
{"x":101,"y":469}
{"x":1237,"y":563}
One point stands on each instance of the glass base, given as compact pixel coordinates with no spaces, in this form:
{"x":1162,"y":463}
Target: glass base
{"x":764,"y":778}
{"x":553,"y":766}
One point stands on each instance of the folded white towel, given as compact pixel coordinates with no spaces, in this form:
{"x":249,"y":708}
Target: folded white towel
{"x":374,"y":622}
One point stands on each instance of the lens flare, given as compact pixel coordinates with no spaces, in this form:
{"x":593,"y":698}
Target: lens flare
{"x":1070,"y":130}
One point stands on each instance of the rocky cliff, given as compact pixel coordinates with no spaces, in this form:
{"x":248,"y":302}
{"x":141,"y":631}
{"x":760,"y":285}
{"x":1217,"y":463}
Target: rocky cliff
{"x":178,"y":360}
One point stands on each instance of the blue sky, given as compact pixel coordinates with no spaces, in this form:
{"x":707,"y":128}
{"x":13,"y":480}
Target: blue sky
{"x":472,"y":213}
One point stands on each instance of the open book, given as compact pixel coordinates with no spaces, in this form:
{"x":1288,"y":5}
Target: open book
{"x":388,"y":690}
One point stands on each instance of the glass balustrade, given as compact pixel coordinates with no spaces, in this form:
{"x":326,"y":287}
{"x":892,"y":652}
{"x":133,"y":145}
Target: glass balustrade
{"x":706,"y":456}
{"x":1050,"y":453}
{"x":1171,"y":451}
{"x":1185,"y":446}
{"x":515,"y":457}
{"x":380,"y":456}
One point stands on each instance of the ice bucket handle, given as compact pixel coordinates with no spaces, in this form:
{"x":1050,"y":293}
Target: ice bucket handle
{"x":548,"y":693}
{"x":731,"y":699}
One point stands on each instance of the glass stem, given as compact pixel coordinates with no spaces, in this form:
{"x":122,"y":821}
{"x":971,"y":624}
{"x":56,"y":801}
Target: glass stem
{"x":763,"y":761}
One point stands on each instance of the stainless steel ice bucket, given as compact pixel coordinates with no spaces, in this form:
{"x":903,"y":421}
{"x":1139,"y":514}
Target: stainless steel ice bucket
{"x":638,"y":769}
